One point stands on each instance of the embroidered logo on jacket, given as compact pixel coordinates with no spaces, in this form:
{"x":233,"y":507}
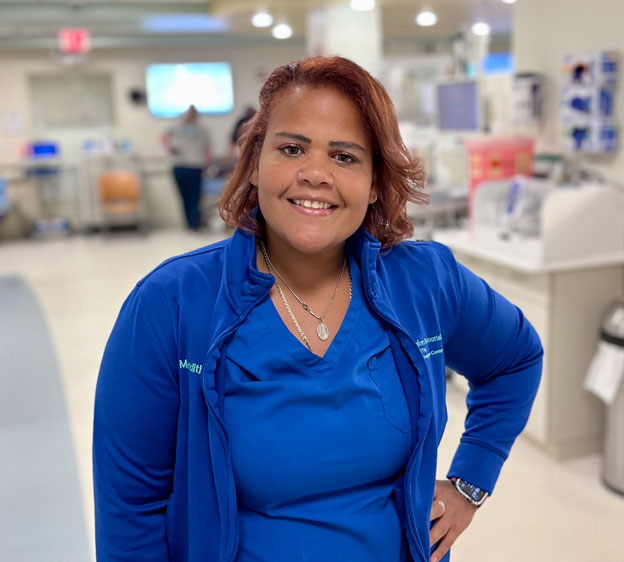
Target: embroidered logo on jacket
{"x":425,"y":348}
{"x":194,"y":368}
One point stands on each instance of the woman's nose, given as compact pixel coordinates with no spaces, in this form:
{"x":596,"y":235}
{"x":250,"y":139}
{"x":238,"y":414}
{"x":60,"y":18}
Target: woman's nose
{"x":315,"y":174}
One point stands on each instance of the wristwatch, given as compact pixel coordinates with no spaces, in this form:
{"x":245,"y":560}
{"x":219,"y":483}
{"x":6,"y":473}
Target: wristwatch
{"x":475,"y":495}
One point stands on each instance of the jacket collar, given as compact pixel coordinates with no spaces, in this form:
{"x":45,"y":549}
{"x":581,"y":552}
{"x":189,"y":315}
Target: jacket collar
{"x":244,"y":284}
{"x":365,"y":248}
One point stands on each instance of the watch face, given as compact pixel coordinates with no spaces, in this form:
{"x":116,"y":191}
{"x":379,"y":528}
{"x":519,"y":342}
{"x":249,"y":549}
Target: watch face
{"x":471,"y":492}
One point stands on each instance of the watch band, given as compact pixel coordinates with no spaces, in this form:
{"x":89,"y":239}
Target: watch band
{"x":473,"y":494}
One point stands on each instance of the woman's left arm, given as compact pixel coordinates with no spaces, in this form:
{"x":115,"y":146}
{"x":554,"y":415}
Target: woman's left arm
{"x":494,"y":346}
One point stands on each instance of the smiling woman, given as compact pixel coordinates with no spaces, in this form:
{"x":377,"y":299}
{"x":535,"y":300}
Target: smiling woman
{"x":294,"y":374}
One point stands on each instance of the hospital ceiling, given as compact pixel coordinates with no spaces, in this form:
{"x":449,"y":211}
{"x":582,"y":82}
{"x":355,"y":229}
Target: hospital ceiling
{"x":33,"y":24}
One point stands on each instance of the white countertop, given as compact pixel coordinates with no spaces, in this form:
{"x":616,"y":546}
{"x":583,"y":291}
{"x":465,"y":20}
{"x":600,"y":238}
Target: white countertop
{"x":521,"y":254}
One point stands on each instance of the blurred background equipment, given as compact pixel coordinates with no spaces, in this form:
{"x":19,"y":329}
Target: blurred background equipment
{"x":588,"y":102}
{"x":496,"y":158}
{"x":42,"y":164}
{"x":115,"y":194}
{"x":528,"y":92}
{"x":120,"y":199}
{"x":13,"y":223}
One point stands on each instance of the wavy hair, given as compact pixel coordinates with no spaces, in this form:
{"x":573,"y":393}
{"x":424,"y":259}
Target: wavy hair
{"x":398,"y":176}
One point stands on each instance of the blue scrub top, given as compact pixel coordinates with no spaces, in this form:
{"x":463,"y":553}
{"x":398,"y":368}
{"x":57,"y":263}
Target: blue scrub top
{"x":317,"y":442}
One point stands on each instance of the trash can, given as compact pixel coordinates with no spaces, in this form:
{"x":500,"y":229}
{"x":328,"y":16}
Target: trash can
{"x":613,"y":470}
{"x":614,"y":445}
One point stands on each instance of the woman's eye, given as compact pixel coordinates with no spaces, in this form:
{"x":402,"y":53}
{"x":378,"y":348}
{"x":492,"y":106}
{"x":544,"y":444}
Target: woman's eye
{"x":290,"y":150}
{"x":345,"y":158}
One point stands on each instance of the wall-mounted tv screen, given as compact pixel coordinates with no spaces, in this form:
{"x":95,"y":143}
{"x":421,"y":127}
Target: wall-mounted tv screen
{"x":171,"y":88}
{"x":458,"y":106}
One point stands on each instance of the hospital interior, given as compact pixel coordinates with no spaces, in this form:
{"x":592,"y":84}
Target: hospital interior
{"x":514,"y":108}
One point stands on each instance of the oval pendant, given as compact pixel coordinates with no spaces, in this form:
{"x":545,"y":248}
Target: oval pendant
{"x":322,"y":331}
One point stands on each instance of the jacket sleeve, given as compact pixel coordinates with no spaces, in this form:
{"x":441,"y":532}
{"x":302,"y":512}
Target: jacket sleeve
{"x":494,"y":346}
{"x":135,"y":422}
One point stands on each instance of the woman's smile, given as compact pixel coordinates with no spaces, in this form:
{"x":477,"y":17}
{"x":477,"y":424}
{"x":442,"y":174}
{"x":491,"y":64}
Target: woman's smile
{"x":311,"y":204}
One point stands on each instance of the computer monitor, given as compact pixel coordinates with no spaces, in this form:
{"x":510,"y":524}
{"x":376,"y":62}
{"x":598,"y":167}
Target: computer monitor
{"x":42,"y":150}
{"x":458,"y":106}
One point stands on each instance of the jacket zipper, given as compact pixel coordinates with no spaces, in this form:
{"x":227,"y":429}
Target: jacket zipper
{"x":233,"y":543}
{"x":410,"y":463}
{"x":220,"y":428}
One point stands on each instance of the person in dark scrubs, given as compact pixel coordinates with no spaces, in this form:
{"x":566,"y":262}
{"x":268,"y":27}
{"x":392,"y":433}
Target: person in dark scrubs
{"x":280,"y":395}
{"x":188,"y":143}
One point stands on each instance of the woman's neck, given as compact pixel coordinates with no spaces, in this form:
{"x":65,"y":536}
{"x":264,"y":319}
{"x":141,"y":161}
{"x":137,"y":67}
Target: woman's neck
{"x":305,"y":271}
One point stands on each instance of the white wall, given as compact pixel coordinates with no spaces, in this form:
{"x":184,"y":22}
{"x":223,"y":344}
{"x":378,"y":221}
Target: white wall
{"x":250,"y":66}
{"x":544,"y":31}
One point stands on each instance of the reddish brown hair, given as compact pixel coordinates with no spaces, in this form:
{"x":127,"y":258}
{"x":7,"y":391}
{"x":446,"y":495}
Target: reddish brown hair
{"x":397,"y":176}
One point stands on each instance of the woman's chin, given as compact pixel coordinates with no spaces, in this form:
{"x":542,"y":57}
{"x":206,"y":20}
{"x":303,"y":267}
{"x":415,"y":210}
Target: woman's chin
{"x":309,"y":243}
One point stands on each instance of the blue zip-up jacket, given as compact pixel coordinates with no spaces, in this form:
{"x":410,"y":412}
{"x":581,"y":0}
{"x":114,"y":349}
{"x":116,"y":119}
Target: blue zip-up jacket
{"x":164,"y":486}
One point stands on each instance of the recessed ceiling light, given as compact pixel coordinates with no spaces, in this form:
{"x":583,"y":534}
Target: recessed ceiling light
{"x":261,"y":19}
{"x":362,"y":5}
{"x":282,"y":31}
{"x":426,"y":18}
{"x":509,"y":1}
{"x":481,"y":28}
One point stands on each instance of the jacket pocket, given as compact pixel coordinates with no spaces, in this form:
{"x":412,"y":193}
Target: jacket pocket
{"x":383,"y":371}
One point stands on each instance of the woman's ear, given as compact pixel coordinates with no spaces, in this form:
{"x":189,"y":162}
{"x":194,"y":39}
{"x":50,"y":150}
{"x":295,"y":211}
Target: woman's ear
{"x":254,"y":177}
{"x":372,"y":196}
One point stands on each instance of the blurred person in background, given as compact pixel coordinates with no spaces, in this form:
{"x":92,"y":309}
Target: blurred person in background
{"x":280,"y":396}
{"x":188,"y":143}
{"x":237,"y":132}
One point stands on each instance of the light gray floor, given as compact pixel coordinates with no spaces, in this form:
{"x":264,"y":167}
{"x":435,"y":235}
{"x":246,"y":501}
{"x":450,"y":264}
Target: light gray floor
{"x":41,"y":517}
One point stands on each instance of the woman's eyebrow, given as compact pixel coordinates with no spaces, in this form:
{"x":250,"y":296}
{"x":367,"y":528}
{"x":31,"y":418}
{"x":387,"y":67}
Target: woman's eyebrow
{"x":294,"y":136}
{"x":346,"y":144}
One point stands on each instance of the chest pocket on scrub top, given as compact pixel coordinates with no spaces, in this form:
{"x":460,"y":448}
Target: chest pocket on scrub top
{"x":383,"y":371}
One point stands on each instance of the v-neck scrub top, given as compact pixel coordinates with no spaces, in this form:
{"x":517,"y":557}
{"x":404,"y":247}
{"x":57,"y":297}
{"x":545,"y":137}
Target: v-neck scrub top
{"x":317,"y":442}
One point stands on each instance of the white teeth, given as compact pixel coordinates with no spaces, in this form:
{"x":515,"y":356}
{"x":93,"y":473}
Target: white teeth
{"x":311,"y":204}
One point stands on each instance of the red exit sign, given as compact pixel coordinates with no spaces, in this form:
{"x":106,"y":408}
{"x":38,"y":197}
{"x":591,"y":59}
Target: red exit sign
{"x":74,"y":40}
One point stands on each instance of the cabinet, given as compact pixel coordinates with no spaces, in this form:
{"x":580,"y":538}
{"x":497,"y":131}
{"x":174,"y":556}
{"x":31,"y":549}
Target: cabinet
{"x":566,"y":308}
{"x":564,"y":281}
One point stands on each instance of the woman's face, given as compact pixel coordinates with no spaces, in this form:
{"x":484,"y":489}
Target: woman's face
{"x":314,"y":172}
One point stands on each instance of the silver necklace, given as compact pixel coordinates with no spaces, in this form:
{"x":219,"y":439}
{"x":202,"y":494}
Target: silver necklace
{"x":322,"y":331}
{"x":292,"y":316}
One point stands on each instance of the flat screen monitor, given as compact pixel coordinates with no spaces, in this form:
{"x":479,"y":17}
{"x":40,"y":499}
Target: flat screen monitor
{"x":42,"y":150}
{"x":458,"y":106}
{"x":171,"y":88}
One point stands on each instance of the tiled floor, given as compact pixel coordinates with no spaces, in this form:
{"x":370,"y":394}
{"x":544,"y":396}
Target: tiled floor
{"x":542,"y":510}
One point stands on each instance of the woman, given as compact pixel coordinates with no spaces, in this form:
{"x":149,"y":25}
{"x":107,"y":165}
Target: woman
{"x":279,"y":396}
{"x":189,"y":145}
